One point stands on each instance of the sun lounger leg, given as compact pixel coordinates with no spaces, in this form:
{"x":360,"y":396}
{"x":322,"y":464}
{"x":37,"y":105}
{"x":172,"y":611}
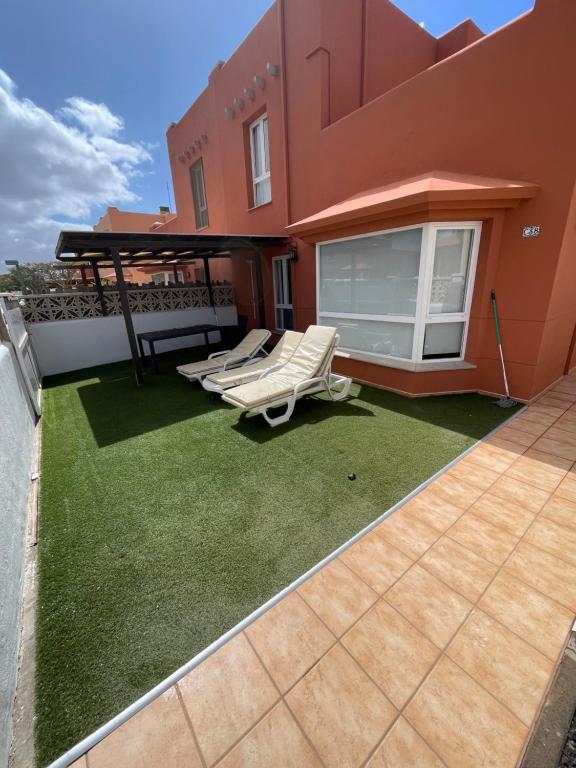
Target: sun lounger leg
{"x":277,"y":420}
{"x":336,"y":381}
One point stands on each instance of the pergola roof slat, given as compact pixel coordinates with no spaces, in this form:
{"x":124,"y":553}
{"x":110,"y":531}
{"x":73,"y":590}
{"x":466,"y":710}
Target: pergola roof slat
{"x":134,"y":246}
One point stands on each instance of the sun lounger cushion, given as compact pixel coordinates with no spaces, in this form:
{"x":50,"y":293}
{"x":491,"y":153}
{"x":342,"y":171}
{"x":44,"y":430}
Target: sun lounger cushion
{"x":245,"y":349}
{"x":280,"y":355}
{"x":308,"y":361}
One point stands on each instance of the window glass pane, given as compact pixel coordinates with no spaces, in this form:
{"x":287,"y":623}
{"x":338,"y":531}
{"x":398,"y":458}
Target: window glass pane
{"x":380,"y":338}
{"x":262,"y":192}
{"x":256,"y":150}
{"x":199,"y":194}
{"x":450,"y":274}
{"x":278,"y":282}
{"x":376,"y":275}
{"x":265,"y":143}
{"x":443,"y":340}
{"x":288,"y":281}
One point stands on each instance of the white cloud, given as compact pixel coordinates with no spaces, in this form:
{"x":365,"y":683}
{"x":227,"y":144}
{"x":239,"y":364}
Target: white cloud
{"x":54,"y":174}
{"x":95,"y":118}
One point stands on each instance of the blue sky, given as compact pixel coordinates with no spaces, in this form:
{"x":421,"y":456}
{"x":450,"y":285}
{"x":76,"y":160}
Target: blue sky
{"x":146,"y":61}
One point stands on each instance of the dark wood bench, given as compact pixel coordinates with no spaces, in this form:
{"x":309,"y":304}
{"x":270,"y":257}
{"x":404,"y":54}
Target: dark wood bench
{"x":171,"y":333}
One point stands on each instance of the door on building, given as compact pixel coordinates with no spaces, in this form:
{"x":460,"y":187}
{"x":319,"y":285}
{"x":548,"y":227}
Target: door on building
{"x":282,"y":277}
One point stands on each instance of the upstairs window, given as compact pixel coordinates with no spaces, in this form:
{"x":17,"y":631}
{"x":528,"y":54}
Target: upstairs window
{"x":402,"y":294}
{"x":262,"y":189}
{"x":199,"y":194}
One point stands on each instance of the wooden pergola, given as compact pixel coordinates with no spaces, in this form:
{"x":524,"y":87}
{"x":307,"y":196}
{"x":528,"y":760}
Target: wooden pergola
{"x":123,"y":249}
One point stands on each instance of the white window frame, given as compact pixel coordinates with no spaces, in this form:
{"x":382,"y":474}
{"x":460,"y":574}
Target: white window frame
{"x":264,"y":148}
{"x":422,"y":316}
{"x":286,"y":281}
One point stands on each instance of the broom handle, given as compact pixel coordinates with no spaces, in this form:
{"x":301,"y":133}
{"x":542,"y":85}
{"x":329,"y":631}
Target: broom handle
{"x":499,"y":339}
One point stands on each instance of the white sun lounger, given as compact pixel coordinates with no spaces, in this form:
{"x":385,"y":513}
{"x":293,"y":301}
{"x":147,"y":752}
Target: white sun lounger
{"x":306,"y":373}
{"x":249,"y":347}
{"x":282,"y":352}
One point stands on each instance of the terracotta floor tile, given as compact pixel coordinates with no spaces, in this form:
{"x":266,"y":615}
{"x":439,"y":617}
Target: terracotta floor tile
{"x":540,"y":469}
{"x":512,"y":448}
{"x":561,"y":511}
{"x":535,"y":428}
{"x":463,"y":723}
{"x":492,"y":457}
{"x":561,"y":434}
{"x":429,"y":604}
{"x":556,"y":400}
{"x":407,"y":533}
{"x":558,"y":540}
{"x":275,"y":741}
{"x":376,"y":561}
{"x":532,"y":413}
{"x":433,"y":510}
{"x":545,"y":410}
{"x":472,"y":473}
{"x":392,"y":651}
{"x":517,"y":436}
{"x":158,"y":735}
{"x":80,"y":763}
{"x":458,"y":567}
{"x":494,"y":543}
{"x":567,"y":488}
{"x":459,"y":492}
{"x":567,"y":422}
{"x":528,"y":496}
{"x":566,"y":385}
{"x":528,"y":613}
{"x":546,"y":573}
{"x":343,"y":713}
{"x":504,"y":513}
{"x":513,"y":671}
{"x":289,"y":638}
{"x":226,"y":695}
{"x":338,"y":596}
{"x":562,"y":444}
{"x":403,"y":748}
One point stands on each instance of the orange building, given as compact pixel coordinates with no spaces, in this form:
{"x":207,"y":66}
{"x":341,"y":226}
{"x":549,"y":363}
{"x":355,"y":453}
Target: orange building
{"x":414,"y":173}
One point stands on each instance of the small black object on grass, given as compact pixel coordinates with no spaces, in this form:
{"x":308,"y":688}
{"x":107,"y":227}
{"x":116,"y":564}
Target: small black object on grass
{"x":351,"y":476}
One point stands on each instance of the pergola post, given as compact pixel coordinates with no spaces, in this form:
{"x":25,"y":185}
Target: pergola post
{"x":259,"y":285}
{"x":99,"y":289}
{"x":125,"y":304}
{"x":175,"y":271}
{"x":208,"y":279}
{"x":83,"y":273}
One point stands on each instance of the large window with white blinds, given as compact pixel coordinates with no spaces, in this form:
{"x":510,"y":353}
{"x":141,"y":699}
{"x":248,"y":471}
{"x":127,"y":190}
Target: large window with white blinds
{"x":401,"y":294}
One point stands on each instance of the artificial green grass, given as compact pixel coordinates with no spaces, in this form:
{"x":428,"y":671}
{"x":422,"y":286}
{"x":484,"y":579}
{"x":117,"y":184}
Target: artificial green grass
{"x":166,"y":518}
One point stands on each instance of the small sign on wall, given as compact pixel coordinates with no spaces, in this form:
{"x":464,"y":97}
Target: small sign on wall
{"x":533,"y":230}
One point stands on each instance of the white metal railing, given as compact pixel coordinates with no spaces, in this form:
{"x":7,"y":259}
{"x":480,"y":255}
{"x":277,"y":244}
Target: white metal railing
{"x":77,"y":305}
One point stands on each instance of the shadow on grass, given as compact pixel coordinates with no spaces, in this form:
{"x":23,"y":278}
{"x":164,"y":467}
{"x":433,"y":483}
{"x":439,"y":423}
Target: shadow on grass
{"x":467,"y":414}
{"x":310,"y":410}
{"x":118,"y":410}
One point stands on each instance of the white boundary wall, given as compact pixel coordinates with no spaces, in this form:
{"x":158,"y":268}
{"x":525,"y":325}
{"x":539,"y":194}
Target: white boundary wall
{"x":69,"y":345}
{"x":17,"y":427}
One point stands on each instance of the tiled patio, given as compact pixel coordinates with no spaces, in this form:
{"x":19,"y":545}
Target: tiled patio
{"x":429,"y":642}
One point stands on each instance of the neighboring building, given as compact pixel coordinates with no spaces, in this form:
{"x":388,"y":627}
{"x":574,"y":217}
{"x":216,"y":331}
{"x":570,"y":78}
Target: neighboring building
{"x":415,"y":174}
{"x":115,"y":220}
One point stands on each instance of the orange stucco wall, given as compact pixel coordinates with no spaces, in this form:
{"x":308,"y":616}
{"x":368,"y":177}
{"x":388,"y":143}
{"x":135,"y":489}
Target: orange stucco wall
{"x":365,"y":97}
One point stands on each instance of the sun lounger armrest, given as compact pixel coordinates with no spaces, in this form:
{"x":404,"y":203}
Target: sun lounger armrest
{"x":234,"y":361}
{"x":308,"y":383}
{"x":217,"y":354}
{"x":269,"y":370}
